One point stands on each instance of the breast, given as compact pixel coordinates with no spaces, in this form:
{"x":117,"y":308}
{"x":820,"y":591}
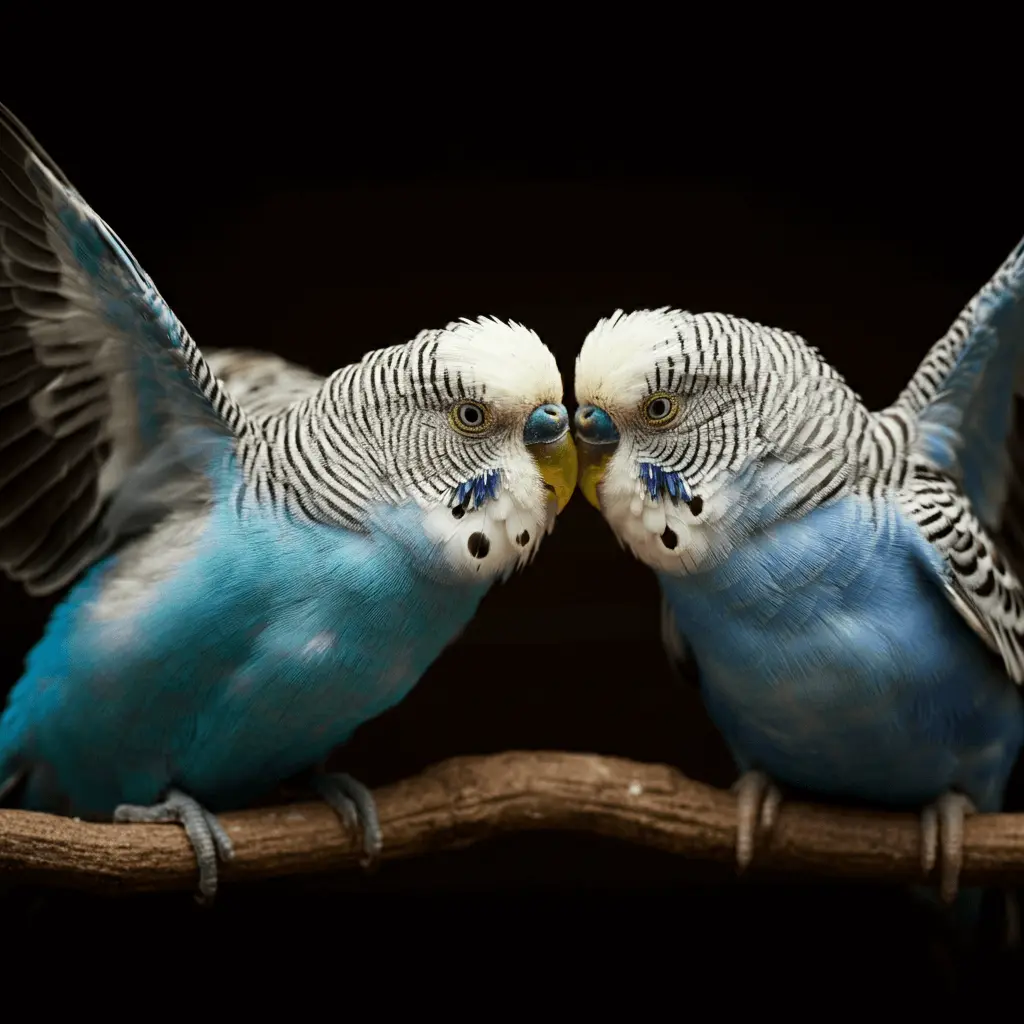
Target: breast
{"x":337,"y":602}
{"x":830,"y":657}
{"x":826,"y":581}
{"x":286,"y":638}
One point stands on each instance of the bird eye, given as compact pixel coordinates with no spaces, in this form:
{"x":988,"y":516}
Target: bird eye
{"x":469,"y":417}
{"x":661,"y":409}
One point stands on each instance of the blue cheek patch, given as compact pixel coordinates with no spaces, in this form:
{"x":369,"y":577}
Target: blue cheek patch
{"x":478,"y":490}
{"x":660,"y":482}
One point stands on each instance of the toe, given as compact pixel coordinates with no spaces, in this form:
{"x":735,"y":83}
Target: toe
{"x":221,"y":839}
{"x":331,"y":791}
{"x":749,"y":790}
{"x":929,"y":838}
{"x":373,"y":842}
{"x":204,"y":832}
{"x":134,"y":814}
{"x":952,"y":809}
{"x":355,"y":803}
{"x":770,"y":808}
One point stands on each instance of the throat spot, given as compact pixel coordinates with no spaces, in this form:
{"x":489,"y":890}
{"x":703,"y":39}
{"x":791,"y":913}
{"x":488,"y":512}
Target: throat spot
{"x":478,"y":545}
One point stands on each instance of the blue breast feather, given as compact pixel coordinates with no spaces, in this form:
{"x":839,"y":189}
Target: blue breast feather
{"x":263,"y":647}
{"x":831,"y":659}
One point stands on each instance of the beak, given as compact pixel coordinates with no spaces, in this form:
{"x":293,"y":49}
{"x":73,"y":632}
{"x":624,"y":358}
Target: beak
{"x":548,"y":440}
{"x":597,"y":439}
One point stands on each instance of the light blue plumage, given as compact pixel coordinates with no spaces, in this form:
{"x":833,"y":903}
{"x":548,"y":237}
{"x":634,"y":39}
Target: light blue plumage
{"x":846,"y":581}
{"x":307,"y":671}
{"x":262,"y":560}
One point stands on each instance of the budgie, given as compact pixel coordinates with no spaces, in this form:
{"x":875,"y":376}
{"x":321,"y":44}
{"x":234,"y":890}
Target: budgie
{"x":260,"y":559}
{"x":846,"y":582}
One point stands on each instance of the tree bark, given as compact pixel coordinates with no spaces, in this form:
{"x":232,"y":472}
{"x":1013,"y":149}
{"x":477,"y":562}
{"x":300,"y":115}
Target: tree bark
{"x":467,"y":800}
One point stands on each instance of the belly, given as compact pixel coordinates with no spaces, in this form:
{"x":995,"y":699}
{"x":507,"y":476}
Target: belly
{"x":845,"y":671}
{"x":226,"y":676}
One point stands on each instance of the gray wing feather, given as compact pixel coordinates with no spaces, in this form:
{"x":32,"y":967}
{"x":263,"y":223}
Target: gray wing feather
{"x":106,"y":405}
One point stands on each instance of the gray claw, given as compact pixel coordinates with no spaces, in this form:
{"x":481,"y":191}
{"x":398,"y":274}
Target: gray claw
{"x":354,"y":803}
{"x":758,"y":800}
{"x":929,"y":838}
{"x":205,"y":833}
{"x":942,"y":840}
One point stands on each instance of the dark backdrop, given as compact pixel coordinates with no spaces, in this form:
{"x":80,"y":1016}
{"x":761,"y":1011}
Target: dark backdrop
{"x":321,"y":233}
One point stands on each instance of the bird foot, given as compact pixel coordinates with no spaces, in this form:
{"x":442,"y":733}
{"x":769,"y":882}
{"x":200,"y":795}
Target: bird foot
{"x":205,"y":833}
{"x":758,"y":800}
{"x":942,"y":840}
{"x":354,"y":804}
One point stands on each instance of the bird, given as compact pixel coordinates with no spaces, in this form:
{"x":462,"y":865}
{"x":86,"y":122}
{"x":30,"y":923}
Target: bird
{"x":845,"y":582}
{"x":253,"y":559}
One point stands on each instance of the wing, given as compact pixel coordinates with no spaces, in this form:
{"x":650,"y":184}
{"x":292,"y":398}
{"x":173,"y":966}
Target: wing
{"x":106,"y":405}
{"x":262,"y":383}
{"x":981,"y":585}
{"x":968,"y":397}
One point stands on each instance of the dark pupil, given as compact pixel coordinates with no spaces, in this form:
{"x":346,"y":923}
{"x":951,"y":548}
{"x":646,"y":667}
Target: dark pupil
{"x":659,"y":409}
{"x":470,"y":415}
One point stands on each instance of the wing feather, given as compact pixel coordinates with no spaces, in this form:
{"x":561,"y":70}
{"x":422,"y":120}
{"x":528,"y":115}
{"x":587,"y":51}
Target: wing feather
{"x":99,"y":381}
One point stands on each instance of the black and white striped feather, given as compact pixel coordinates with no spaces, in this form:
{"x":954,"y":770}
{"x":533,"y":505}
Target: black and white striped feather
{"x":966,"y":488}
{"x":109,"y":413}
{"x":768,"y":429}
{"x":982,"y":587}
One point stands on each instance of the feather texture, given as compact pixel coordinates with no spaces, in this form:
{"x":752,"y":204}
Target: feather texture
{"x":97,"y":379}
{"x":847,"y":581}
{"x":262,"y":558}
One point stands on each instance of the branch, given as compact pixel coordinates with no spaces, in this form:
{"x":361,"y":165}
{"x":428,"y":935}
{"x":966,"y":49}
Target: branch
{"x":470,"y":799}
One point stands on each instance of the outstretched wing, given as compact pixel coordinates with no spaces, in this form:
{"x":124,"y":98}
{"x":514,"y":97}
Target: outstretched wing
{"x":106,"y":405}
{"x":976,"y":577}
{"x":968,"y":396}
{"x":965,"y":486}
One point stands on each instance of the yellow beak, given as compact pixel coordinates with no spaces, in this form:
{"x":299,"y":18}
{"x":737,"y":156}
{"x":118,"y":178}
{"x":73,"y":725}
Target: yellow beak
{"x":593,"y":461}
{"x":548,"y":440}
{"x":558,"y":465}
{"x":597,"y":439}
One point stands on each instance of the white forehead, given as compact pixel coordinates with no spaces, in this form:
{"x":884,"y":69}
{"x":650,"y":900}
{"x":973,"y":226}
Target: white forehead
{"x":618,"y":355}
{"x":508,"y":359}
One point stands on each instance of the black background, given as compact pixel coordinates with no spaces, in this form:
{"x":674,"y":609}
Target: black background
{"x":285,"y":220}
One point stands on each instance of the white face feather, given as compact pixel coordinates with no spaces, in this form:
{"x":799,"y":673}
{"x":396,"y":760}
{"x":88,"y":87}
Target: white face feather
{"x":749,"y":405}
{"x":618,"y":355}
{"x":385,"y":432}
{"x":517,"y":369}
{"x":515,"y":372}
{"x":614,"y":372}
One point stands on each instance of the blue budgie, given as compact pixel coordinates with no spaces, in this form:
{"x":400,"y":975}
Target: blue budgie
{"x":846,"y":582}
{"x":262,"y":559}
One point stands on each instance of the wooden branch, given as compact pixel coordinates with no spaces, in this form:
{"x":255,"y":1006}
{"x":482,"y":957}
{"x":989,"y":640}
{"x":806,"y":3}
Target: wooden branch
{"x":470,"y":799}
